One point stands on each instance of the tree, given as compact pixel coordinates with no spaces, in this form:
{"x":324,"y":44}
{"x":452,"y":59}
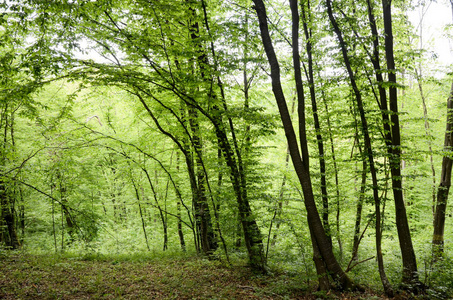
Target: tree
{"x":444,"y":185}
{"x":182,"y":69}
{"x":319,"y":238}
{"x":367,"y":145}
{"x":445,"y":180}
{"x":410,"y":273}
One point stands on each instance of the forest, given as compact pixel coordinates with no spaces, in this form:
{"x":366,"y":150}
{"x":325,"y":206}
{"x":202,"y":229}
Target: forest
{"x":310,"y":138}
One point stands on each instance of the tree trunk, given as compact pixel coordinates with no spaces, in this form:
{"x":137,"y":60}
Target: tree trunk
{"x":311,"y":83}
{"x":232,"y":156}
{"x":358,"y":216}
{"x":252,"y":234}
{"x":203,"y":214}
{"x":368,"y":147}
{"x":410,"y":272}
{"x":137,"y":196}
{"x":178,"y":212}
{"x":65,"y":208}
{"x":8,"y":233}
{"x":161,"y":211}
{"x":319,"y":237}
{"x":445,"y":183}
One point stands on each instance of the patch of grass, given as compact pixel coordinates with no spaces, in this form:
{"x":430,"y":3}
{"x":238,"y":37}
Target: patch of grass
{"x":145,"y":276}
{"x":121,"y":277}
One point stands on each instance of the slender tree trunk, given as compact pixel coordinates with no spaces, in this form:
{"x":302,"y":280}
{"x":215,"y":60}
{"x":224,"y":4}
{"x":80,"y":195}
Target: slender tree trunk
{"x":410,"y":272}
{"x":335,"y":168}
{"x":8,"y":233}
{"x":445,"y":180}
{"x":419,"y":78}
{"x":70,"y":223}
{"x":178,"y":212}
{"x":445,"y":183}
{"x":137,"y":196}
{"x":54,"y":232}
{"x":208,"y":240}
{"x":368,"y":147}
{"x":279,"y":206}
{"x":321,"y":268}
{"x":143,"y":220}
{"x":233,"y":159}
{"x":306,"y":9}
{"x":358,"y":216}
{"x":21,"y":216}
{"x":279,"y":209}
{"x":319,"y":237}
{"x":428,"y":135}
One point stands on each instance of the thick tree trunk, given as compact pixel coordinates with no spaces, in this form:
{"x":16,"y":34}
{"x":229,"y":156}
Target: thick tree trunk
{"x":319,"y":237}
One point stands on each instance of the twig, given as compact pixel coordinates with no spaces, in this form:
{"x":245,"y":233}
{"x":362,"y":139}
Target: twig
{"x":362,"y":261}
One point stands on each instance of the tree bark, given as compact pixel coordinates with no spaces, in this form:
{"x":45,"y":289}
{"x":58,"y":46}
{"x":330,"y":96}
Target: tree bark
{"x":358,"y":216}
{"x":321,"y":269}
{"x":8,"y":232}
{"x":203,"y":214}
{"x":368,"y":147}
{"x":319,"y":237}
{"x":445,"y":183}
{"x":311,"y":84}
{"x":410,"y":272}
{"x":233,"y":159}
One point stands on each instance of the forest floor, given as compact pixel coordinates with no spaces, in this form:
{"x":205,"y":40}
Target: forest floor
{"x":25,"y":276}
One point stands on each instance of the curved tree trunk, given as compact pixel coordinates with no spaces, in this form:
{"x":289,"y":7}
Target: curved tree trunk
{"x":233,"y":158}
{"x":368,"y":147}
{"x":319,"y":237}
{"x":311,"y":84}
{"x":410,"y":272}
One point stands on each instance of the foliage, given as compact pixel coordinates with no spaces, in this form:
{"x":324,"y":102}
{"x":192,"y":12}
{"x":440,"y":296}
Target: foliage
{"x":134,"y":131}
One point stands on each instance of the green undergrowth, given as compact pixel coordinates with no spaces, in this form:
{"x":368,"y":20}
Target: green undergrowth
{"x":137,"y":276}
{"x":149,"y":276}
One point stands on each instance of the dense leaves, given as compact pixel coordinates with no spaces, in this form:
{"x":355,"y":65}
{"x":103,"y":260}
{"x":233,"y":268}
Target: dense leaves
{"x":133,"y":126}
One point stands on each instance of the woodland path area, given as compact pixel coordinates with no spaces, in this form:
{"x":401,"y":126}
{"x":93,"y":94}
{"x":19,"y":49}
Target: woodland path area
{"x":24,"y":276}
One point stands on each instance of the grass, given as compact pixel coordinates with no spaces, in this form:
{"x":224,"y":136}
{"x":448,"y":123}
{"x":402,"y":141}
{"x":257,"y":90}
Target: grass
{"x":26,"y":276}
